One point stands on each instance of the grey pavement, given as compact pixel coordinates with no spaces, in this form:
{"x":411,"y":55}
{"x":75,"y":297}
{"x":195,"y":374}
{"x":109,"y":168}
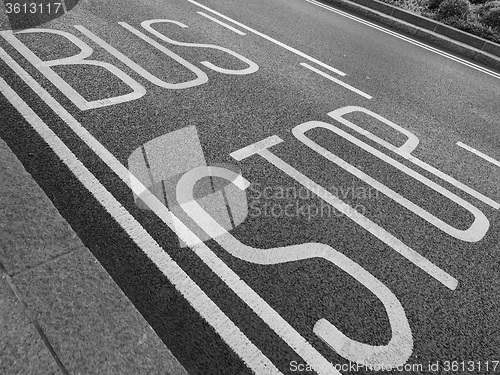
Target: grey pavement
{"x":60,"y":312}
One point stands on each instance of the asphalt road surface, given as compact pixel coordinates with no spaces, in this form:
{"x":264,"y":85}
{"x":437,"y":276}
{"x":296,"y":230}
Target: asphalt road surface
{"x":346,"y":215}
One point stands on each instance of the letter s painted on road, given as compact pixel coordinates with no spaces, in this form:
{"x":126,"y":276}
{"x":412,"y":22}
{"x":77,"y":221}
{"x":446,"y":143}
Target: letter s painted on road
{"x":400,"y":346}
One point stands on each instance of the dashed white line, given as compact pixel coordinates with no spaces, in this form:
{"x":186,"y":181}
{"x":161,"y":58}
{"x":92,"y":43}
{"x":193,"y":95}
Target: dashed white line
{"x":479,"y":153}
{"x":337,"y":81}
{"x":291,"y":49}
{"x":221,"y":23}
{"x":407,"y":39}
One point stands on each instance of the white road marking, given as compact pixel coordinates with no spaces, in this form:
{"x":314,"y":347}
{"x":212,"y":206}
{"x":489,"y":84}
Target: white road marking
{"x":405,"y":150}
{"x":407,"y":39}
{"x":337,"y":81}
{"x":291,"y":49}
{"x":474,"y":233}
{"x":252,"y":67}
{"x":200,"y":79}
{"x":221,"y":23}
{"x":79,"y":59}
{"x":423,"y":263}
{"x":480,"y":154}
{"x":399,"y":348}
{"x":401,"y":152}
{"x":214,"y":316}
{"x":250,"y":354}
{"x":256,"y":148}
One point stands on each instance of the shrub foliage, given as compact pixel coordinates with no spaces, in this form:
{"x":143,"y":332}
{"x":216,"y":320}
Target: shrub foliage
{"x":478,"y":17}
{"x":434,"y":4}
{"x":489,"y":13}
{"x":454,"y":8}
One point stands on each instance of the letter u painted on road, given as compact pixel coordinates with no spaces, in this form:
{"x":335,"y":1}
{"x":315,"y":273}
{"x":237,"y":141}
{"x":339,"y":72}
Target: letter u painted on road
{"x":80,"y":58}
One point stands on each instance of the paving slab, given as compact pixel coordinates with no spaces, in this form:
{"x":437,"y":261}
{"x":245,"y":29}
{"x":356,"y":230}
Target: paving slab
{"x":90,"y":323}
{"x":22,"y":349}
{"x":31,"y":229}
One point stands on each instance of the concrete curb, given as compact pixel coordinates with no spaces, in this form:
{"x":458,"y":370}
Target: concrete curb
{"x":435,"y":33}
{"x":60,"y":311}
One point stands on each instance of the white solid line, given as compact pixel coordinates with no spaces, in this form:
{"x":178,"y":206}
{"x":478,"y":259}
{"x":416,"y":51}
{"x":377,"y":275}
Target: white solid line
{"x":337,"y":81}
{"x":407,"y":39}
{"x":214,"y":316}
{"x":479,"y":153}
{"x":221,"y":23}
{"x":291,"y":49}
{"x":254,"y":358}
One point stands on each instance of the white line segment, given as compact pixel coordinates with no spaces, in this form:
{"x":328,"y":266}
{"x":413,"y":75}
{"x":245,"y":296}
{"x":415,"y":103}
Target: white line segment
{"x":214,"y":316}
{"x":337,"y":81}
{"x":479,"y":153}
{"x":291,"y":49}
{"x":250,"y":354}
{"x":407,"y":39}
{"x":372,"y":25}
{"x":221,"y":23}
